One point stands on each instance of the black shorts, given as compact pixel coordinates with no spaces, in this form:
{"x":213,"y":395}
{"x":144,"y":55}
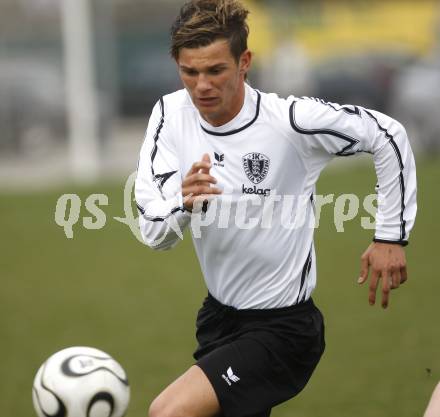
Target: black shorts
{"x":257,"y":359}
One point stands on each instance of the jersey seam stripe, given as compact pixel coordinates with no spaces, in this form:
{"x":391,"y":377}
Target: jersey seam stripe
{"x":233,"y":132}
{"x":401,"y":179}
{"x":140,"y":208}
{"x":153,"y":155}
{"x":156,"y":140}
{"x":162,"y":218}
{"x":158,"y":218}
{"x":312,"y":202}
{"x":352,"y":141}
{"x":304,"y":274}
{"x":309,"y":267}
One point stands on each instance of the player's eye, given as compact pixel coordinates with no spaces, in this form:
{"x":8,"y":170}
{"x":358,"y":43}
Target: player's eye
{"x":216,"y":71}
{"x":190,"y":72}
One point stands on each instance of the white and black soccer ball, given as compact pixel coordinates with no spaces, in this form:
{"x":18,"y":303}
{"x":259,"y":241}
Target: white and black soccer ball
{"x":81,"y":382}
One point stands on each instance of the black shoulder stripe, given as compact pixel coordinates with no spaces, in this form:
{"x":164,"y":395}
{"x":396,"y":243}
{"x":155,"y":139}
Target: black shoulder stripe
{"x":233,"y":132}
{"x":346,"y":151}
{"x":401,"y":179}
{"x":354,"y":110}
{"x":390,"y":137}
{"x":349,"y":109}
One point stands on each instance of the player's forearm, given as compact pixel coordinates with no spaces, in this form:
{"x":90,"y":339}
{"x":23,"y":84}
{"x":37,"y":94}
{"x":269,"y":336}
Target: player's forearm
{"x":162,"y":223}
{"x":396,"y":174}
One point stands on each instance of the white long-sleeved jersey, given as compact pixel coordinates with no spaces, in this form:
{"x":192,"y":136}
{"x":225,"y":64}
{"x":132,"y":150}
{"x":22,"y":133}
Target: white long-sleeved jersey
{"x":255,"y":241}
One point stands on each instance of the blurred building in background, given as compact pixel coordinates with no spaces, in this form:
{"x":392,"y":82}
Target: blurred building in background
{"x":382,"y":55}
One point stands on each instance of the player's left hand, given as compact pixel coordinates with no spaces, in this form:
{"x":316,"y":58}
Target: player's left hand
{"x":388,"y":264}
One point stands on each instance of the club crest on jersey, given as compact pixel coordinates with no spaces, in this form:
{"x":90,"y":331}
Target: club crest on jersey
{"x":256,"y":166}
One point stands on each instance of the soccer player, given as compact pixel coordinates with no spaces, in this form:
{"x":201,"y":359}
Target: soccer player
{"x":220,"y":152}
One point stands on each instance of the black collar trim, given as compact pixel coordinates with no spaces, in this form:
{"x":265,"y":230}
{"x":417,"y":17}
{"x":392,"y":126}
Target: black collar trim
{"x":233,"y":132}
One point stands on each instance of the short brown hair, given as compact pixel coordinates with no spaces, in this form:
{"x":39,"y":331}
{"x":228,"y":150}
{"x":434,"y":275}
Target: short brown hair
{"x":201,"y":22}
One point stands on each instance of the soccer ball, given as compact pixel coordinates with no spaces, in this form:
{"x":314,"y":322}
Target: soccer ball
{"x":80,"y":382}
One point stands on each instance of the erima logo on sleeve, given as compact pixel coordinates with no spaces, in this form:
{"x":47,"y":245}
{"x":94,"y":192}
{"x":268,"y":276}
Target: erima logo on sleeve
{"x":230,"y":378}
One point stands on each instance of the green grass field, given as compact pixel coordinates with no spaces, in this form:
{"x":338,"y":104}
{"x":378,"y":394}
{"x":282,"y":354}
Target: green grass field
{"x":104,"y":289}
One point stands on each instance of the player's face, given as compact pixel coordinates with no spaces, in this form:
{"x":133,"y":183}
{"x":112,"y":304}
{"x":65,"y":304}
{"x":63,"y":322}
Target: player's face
{"x":214,"y":80}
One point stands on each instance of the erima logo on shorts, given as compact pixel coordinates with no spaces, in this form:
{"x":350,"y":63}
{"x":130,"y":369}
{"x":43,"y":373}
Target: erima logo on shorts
{"x":231,"y":377}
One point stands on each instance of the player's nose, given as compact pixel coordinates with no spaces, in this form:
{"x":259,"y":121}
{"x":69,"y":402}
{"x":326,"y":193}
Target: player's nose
{"x":203,"y":84}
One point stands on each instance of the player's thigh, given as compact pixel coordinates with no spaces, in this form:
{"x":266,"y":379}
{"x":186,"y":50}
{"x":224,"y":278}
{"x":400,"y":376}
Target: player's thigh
{"x":190,"y":395}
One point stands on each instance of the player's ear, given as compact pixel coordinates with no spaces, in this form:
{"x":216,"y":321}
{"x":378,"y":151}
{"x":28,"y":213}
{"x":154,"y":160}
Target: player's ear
{"x":245,"y":61}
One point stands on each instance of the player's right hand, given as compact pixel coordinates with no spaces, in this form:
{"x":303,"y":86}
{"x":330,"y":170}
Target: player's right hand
{"x":197,"y":186}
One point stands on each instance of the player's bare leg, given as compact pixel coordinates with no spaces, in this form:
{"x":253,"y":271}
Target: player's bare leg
{"x":433,"y":409}
{"x":190,"y":395}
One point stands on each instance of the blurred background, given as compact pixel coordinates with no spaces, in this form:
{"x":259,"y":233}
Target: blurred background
{"x":78,"y":79}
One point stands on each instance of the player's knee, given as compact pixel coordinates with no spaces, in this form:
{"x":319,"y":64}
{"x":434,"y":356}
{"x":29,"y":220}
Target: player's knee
{"x":155,"y":409}
{"x":161,"y":408}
